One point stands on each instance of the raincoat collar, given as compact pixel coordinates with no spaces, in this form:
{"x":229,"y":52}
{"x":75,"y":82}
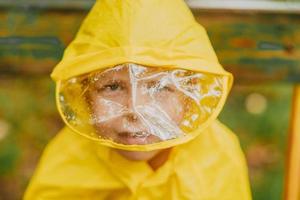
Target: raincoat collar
{"x":138,"y":173}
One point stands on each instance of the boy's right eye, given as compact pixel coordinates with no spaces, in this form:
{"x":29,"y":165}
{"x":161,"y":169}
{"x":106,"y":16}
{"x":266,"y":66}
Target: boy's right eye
{"x":113,"y":87}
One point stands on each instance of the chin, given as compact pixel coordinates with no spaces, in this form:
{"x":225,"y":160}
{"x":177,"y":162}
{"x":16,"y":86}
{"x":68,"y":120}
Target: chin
{"x":138,"y":155}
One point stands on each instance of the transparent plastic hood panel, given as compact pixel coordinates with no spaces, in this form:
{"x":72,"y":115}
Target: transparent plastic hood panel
{"x":131,"y":104}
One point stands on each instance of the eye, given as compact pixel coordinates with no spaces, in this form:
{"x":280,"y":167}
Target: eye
{"x":159,"y":87}
{"x":111,"y":87}
{"x":164,"y":88}
{"x":167,"y":88}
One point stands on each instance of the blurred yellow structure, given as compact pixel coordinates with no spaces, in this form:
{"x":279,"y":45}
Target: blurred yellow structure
{"x":292,"y":184}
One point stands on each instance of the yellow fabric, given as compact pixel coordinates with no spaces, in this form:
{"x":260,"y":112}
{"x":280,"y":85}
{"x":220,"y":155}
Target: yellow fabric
{"x":211,"y":167}
{"x":152,"y":33}
{"x":159,"y":33}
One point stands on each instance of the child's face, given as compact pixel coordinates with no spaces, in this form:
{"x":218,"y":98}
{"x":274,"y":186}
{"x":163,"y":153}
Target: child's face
{"x":123,"y":106}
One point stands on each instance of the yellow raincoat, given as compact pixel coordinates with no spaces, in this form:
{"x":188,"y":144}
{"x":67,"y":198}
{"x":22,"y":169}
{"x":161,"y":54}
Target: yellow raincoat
{"x":208,"y":165}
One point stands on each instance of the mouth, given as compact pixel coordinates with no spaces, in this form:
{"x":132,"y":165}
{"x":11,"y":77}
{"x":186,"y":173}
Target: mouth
{"x":137,"y":134}
{"x":131,"y":138}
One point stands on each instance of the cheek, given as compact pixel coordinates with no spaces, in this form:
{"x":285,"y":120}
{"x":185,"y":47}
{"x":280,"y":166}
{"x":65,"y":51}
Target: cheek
{"x":173,"y":105}
{"x":105,"y":130}
{"x":105,"y":109}
{"x":102,"y":111}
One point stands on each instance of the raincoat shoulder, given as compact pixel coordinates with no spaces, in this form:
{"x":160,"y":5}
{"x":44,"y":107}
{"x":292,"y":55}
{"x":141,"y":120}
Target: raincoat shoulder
{"x":218,"y":170}
{"x":69,"y":169}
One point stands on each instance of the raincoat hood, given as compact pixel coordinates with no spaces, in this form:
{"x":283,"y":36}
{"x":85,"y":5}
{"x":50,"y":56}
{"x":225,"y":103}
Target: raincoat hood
{"x":156,"y":33}
{"x":149,"y":32}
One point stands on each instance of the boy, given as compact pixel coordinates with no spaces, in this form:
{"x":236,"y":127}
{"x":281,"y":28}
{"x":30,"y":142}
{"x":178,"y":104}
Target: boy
{"x":142,"y":84}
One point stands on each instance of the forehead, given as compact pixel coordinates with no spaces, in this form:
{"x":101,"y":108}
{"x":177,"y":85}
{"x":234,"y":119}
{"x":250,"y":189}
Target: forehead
{"x":111,"y":74}
{"x":126,"y":73}
{"x":114,"y":71}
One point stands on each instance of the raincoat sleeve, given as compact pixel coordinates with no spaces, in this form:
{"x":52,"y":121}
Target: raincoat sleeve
{"x":69,"y":169}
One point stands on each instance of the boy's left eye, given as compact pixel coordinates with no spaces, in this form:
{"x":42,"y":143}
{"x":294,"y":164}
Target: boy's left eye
{"x":165,"y":88}
{"x":158,"y":87}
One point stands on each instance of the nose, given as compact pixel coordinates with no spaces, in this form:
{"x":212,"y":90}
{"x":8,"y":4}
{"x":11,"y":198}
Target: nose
{"x":130,"y":103}
{"x":132,"y":117}
{"x":133,"y":98}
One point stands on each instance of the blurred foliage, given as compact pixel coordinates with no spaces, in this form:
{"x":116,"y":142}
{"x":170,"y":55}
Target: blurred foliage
{"x":28,"y":120}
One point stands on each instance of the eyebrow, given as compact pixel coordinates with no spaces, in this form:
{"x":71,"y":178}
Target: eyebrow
{"x":109,"y":78}
{"x":154,"y":75}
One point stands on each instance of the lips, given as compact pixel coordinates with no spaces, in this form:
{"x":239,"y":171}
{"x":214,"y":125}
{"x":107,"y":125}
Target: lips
{"x":137,"y":134}
{"x":131,"y":138}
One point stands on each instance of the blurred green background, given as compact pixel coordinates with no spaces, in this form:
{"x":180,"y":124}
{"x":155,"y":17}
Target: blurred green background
{"x":261,"y":49}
